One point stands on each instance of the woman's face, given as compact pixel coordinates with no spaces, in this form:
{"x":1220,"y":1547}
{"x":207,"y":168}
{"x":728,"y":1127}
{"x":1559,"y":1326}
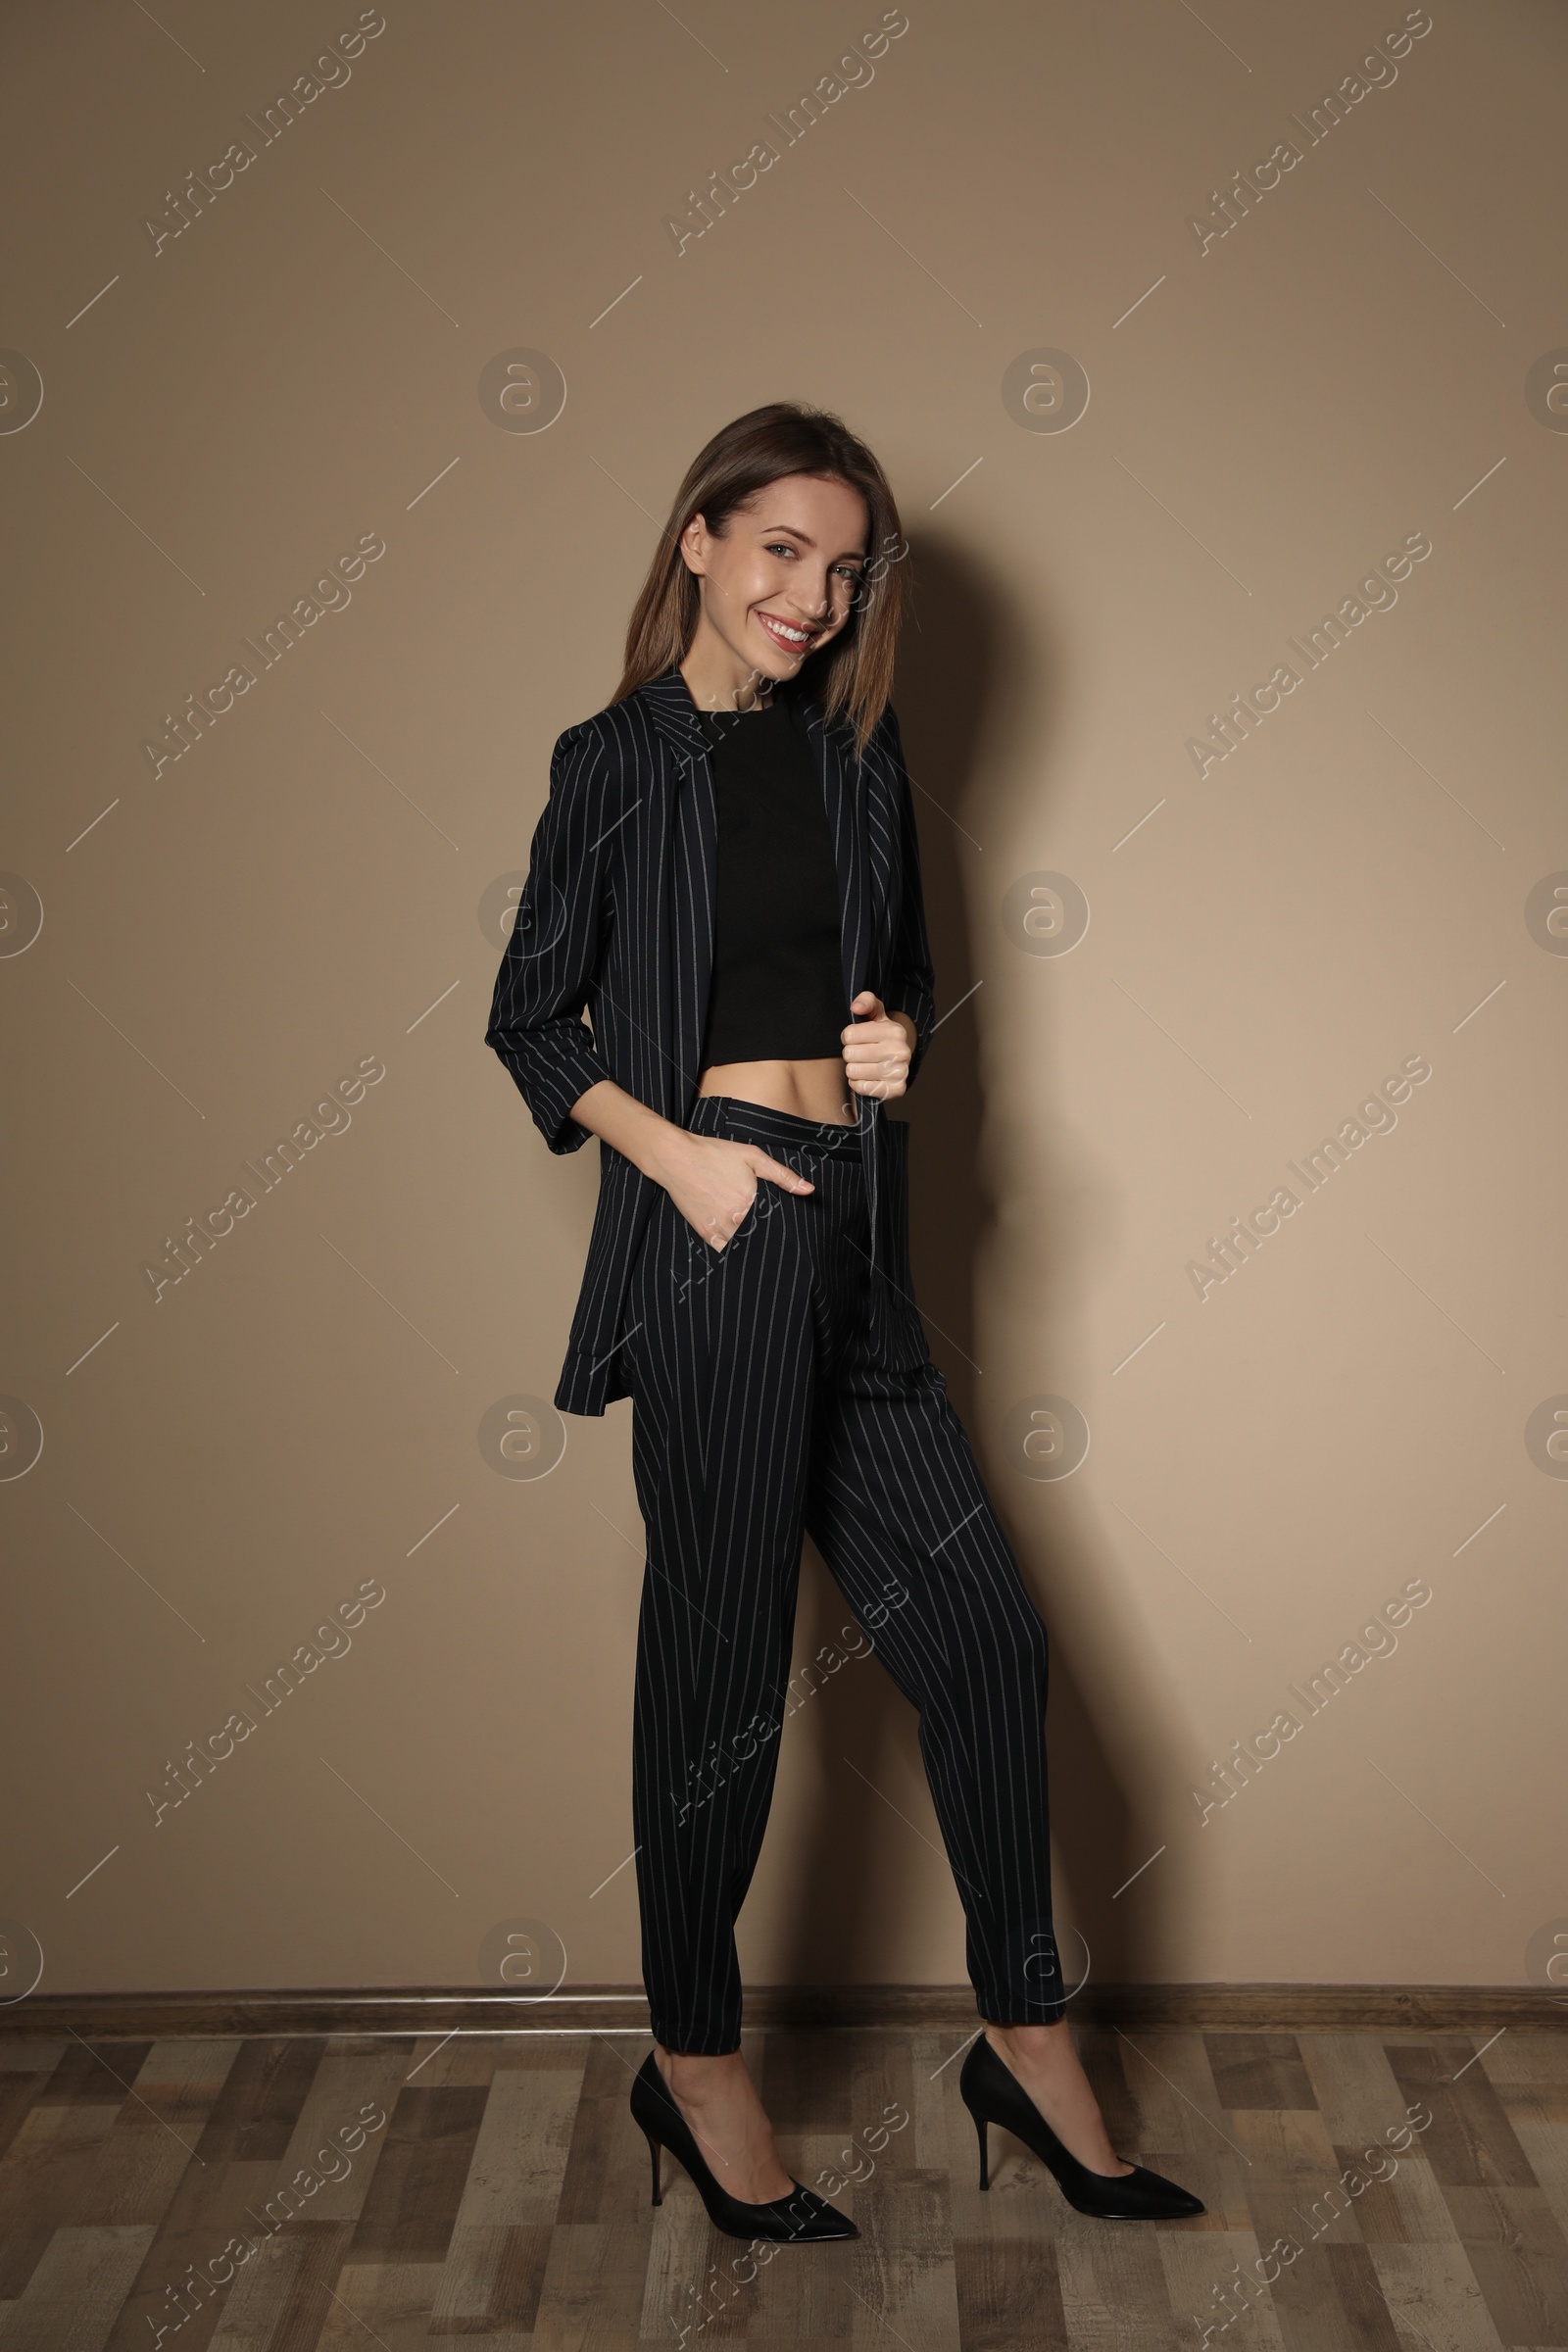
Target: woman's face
{"x":781,"y":582}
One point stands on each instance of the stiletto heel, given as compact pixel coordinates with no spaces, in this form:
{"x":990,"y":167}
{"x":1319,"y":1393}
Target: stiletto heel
{"x":982,"y":2129}
{"x":994,"y":2095}
{"x":804,"y":2218}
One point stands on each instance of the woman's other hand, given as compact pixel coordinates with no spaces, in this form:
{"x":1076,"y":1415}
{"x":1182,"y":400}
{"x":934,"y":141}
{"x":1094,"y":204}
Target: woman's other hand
{"x":877,"y":1047}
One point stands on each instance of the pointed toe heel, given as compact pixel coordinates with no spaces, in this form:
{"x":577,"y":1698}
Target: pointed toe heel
{"x":992,"y":2094}
{"x":801,"y":2219}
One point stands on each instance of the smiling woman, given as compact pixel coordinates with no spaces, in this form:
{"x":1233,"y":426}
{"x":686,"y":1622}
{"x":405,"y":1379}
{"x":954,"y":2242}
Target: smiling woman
{"x":731,"y":851}
{"x":769,"y":567}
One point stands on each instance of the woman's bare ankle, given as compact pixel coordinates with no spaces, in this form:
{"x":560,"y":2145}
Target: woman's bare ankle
{"x":722,"y":2105}
{"x":691,"y":2073}
{"x":1033,"y":2044}
{"x":1043,"y":2060}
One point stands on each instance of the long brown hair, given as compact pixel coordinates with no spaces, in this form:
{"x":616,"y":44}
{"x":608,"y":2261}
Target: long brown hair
{"x":852,"y":676}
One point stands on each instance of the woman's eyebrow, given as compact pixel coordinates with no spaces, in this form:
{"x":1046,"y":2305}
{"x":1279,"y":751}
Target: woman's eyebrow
{"x":787,"y":530}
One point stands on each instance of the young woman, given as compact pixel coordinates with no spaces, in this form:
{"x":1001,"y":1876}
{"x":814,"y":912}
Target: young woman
{"x":726,"y":878}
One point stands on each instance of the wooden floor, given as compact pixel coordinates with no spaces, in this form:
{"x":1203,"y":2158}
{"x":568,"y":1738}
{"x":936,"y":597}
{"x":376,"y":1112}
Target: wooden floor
{"x":495,"y":2187}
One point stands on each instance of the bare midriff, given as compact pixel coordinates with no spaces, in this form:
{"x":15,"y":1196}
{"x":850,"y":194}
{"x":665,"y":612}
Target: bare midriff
{"x":812,"y":1090}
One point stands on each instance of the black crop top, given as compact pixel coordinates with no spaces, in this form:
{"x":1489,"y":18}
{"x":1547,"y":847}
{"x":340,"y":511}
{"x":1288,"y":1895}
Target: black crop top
{"x":777,"y":988}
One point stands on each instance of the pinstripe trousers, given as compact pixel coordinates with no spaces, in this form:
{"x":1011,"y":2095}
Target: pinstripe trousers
{"x":761,"y":1409}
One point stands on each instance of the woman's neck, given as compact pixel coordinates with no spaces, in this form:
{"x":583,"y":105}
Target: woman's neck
{"x":721,"y":685}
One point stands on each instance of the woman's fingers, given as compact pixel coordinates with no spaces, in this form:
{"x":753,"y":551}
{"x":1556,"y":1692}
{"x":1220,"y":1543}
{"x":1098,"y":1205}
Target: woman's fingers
{"x":776,"y":1173}
{"x":876,"y":1058}
{"x":873,"y":1037}
{"x":716,"y":1205}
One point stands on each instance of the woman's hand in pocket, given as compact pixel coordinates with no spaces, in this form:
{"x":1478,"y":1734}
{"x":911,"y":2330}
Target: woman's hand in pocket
{"x":713,"y":1182}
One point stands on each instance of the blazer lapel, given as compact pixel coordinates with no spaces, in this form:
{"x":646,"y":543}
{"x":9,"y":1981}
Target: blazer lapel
{"x":843,"y":791}
{"x":693,"y":879}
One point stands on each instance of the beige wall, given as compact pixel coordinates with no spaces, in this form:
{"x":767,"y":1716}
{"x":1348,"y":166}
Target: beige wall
{"x":300,"y":894}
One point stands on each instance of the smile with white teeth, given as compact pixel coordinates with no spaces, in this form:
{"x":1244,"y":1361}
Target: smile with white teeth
{"x":784,"y":633}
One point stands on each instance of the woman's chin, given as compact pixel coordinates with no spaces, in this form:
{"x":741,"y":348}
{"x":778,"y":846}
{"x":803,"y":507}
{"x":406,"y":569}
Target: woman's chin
{"x":775,"y":659}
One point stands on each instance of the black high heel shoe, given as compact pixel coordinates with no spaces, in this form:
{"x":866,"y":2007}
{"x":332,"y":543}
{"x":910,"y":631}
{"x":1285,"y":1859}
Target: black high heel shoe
{"x":803,"y":2219}
{"x":994,"y":2095}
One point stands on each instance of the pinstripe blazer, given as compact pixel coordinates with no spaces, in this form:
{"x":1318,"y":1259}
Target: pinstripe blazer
{"x":616,"y":918}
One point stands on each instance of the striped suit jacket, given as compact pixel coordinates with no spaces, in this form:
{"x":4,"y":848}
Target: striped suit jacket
{"x":616,"y":918}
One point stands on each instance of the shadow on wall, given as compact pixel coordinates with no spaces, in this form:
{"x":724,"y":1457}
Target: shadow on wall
{"x":969,"y":684}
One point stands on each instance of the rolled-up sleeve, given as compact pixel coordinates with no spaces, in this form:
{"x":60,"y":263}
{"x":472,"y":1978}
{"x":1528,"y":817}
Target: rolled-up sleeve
{"x":911,"y":978}
{"x":554,"y":956}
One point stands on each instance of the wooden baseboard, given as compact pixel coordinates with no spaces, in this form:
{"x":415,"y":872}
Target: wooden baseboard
{"x":621,"y":2009}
